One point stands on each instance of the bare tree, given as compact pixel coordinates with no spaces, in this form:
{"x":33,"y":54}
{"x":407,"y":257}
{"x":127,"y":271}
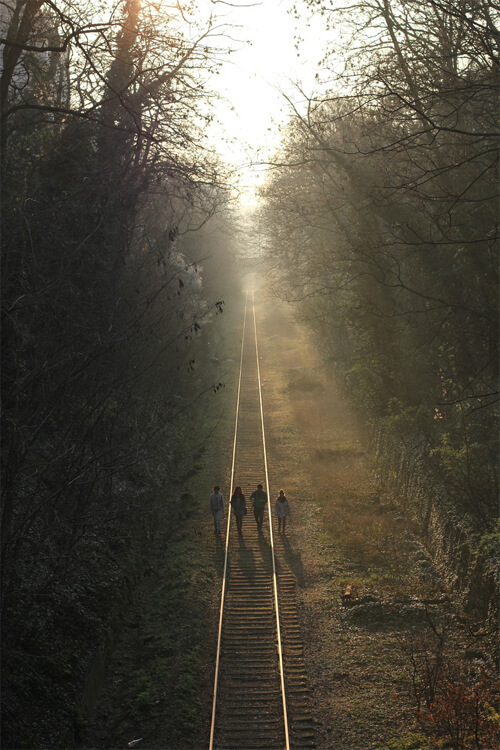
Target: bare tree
{"x":384,"y":195}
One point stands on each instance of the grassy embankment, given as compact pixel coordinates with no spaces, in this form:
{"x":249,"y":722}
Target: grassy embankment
{"x":374,"y":663}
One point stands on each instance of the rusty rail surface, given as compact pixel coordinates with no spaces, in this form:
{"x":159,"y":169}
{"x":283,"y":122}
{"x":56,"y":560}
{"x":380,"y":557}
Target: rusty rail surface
{"x":260,"y":698}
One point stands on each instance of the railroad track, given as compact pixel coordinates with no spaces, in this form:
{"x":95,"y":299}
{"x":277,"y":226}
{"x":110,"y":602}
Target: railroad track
{"x":261,"y":699}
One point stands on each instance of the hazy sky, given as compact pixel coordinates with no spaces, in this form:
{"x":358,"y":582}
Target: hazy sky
{"x":252,"y":107}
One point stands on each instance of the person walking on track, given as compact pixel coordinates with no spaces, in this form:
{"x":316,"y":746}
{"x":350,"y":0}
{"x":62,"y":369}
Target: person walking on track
{"x":282,"y":510}
{"x":259,"y":500}
{"x":217,"y":507}
{"x":239,"y":506}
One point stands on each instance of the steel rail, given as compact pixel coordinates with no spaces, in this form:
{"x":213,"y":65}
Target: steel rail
{"x":273,"y":557}
{"x":224,"y":575}
{"x":224,"y":591}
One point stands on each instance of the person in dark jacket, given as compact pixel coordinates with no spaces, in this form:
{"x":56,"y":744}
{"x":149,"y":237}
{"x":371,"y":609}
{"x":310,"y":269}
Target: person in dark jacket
{"x":239,"y":506}
{"x":217,"y":507}
{"x":259,"y":500}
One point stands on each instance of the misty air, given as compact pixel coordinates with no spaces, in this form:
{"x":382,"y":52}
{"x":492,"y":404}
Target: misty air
{"x":249,"y":374}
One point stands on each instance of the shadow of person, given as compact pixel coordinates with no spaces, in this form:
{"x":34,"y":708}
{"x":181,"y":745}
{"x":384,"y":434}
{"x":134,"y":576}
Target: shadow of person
{"x":219,"y":553}
{"x":265,"y":551}
{"x":246,"y":559}
{"x":294,"y":560}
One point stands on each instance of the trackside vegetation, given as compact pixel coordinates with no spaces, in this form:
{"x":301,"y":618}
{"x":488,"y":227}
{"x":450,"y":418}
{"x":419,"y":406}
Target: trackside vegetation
{"x":381,"y":213}
{"x":110,"y":311}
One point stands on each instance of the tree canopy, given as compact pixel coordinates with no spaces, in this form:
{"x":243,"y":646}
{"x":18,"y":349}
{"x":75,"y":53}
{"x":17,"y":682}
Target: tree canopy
{"x":105,"y":172}
{"x":382,"y":217}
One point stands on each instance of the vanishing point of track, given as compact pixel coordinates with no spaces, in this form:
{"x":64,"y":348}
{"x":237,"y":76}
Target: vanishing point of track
{"x":261,"y":698}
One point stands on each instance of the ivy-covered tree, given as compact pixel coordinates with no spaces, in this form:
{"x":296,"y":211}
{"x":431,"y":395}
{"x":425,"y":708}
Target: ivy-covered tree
{"x":103,"y":312}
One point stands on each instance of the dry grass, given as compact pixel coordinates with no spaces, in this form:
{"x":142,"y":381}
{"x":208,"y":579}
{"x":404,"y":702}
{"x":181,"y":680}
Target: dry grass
{"x":342,"y":531}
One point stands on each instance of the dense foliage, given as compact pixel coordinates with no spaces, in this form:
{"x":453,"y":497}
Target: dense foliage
{"x":104,"y":323}
{"x":382,"y":222}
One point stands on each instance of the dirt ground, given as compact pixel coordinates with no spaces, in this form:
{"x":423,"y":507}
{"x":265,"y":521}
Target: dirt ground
{"x":341,"y":532}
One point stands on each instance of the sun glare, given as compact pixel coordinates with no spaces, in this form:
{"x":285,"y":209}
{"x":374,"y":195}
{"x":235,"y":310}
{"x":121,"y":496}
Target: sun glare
{"x":263,"y":64}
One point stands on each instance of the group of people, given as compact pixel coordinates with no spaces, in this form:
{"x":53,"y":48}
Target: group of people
{"x":258,"y":499}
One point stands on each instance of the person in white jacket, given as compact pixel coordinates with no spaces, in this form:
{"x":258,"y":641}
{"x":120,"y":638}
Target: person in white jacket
{"x":282,"y":510}
{"x":217,"y":507}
